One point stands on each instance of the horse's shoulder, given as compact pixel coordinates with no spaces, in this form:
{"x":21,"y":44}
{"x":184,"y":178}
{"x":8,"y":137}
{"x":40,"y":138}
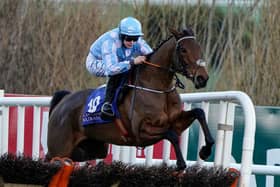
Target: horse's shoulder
{"x":174,"y":98}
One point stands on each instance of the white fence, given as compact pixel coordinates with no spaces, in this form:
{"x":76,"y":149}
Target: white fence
{"x":128,"y":154}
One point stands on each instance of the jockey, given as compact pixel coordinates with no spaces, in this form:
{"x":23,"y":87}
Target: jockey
{"x":114,"y":53}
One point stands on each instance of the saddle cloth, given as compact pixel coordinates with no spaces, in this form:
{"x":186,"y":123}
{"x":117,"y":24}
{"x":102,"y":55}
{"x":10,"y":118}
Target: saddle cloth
{"x":92,"y":109}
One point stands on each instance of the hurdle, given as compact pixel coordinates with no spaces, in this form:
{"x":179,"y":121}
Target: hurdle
{"x":128,"y":154}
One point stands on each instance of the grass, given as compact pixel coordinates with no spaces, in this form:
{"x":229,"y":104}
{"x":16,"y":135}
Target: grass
{"x":44,"y":44}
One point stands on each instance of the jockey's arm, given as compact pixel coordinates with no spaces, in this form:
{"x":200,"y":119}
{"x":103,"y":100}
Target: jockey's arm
{"x":113,"y":66}
{"x":110,"y":59}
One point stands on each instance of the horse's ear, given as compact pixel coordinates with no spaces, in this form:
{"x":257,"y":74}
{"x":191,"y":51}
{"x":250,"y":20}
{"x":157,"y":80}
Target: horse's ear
{"x":175,"y":33}
{"x":189,"y":31}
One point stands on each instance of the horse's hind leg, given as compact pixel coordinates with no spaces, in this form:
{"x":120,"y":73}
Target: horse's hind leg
{"x":89,"y":149}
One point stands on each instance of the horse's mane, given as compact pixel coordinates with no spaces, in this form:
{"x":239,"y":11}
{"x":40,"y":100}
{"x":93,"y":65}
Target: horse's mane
{"x":186,"y":32}
{"x":148,"y":56}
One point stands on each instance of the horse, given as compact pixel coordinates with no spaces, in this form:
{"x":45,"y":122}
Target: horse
{"x":151,"y":110}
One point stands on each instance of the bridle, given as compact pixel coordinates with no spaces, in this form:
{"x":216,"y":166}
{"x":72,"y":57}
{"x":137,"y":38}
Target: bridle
{"x":181,"y":68}
{"x":199,"y":62}
{"x":172,"y":70}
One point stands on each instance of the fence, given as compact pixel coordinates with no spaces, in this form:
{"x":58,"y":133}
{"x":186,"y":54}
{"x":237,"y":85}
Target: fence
{"x":128,"y":154}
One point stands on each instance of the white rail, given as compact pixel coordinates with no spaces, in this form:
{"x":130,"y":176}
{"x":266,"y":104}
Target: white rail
{"x":223,"y":139}
{"x":250,"y":125}
{"x":21,"y":102}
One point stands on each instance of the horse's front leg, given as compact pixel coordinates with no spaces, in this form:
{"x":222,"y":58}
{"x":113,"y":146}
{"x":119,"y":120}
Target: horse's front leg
{"x":186,"y":118}
{"x":174,"y":139}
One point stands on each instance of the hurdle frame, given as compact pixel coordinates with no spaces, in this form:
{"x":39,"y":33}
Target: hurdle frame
{"x":222,"y":134}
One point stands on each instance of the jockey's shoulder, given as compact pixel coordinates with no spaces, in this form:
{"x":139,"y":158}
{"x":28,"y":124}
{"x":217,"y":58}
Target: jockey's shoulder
{"x":110,"y":36}
{"x":113,"y":34}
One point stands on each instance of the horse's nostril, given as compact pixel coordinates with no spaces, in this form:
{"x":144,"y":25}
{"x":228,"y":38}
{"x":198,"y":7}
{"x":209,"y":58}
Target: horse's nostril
{"x":201,"y":81}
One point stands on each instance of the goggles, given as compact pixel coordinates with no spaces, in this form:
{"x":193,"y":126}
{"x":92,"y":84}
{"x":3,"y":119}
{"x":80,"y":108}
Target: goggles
{"x":131,"y":38}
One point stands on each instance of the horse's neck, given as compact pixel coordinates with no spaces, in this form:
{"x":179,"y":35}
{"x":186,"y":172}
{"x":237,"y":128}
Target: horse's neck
{"x":160,"y":78}
{"x":164,"y":55}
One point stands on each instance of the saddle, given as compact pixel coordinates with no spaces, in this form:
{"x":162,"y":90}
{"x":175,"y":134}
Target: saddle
{"x":92,"y":109}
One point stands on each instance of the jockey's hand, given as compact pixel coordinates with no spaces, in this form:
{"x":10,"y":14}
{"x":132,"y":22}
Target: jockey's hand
{"x":139,"y":60}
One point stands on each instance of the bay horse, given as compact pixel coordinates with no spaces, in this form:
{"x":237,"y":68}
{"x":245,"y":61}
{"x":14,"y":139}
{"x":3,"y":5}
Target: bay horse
{"x":151,"y":109}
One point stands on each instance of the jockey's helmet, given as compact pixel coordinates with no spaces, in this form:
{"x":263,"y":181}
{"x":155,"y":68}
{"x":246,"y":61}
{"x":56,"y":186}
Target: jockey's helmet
{"x":130,"y":26}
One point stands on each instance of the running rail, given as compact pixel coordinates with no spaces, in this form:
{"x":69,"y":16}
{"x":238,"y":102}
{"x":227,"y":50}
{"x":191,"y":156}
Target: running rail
{"x":21,"y":102}
{"x":235,"y":96}
{"x":250,"y":125}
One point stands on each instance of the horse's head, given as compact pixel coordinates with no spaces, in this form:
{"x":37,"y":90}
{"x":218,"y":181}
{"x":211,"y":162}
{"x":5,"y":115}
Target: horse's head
{"x":189,"y":58}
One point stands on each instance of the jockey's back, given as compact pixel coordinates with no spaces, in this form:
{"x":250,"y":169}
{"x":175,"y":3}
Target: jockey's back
{"x":109,"y":46}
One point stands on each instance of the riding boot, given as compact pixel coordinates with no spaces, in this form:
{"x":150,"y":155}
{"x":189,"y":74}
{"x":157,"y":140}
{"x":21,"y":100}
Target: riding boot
{"x":107,"y":111}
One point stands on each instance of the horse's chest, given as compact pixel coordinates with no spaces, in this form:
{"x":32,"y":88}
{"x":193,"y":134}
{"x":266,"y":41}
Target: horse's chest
{"x":156,"y":120}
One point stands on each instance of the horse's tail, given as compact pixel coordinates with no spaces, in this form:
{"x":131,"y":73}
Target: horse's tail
{"x":57,"y":97}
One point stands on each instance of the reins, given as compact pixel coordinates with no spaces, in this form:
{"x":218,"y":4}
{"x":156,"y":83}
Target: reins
{"x":151,"y":64}
{"x":178,"y":82}
{"x":177,"y":43}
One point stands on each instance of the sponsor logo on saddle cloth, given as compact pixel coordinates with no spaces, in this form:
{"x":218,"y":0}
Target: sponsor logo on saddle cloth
{"x":92,"y":110}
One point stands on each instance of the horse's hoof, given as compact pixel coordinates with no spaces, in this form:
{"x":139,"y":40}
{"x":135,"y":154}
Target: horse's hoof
{"x":205,"y":152}
{"x":178,"y":173}
{"x":57,"y":161}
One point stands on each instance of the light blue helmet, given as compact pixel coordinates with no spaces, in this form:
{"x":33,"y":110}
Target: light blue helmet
{"x":131,"y":27}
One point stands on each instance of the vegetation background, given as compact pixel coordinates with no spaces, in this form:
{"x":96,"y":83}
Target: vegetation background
{"x":44,"y":43}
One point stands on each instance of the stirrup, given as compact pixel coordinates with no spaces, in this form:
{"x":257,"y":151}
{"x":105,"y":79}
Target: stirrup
{"x":107,"y":112}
